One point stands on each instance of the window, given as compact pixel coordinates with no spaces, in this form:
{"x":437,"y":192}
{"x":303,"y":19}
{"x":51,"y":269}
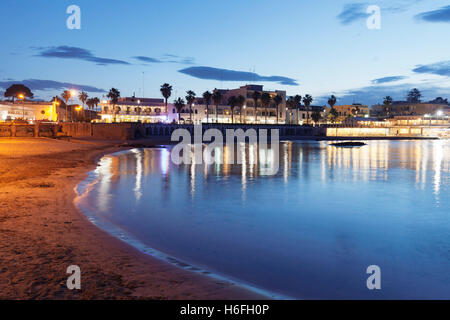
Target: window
{"x":173,"y":110}
{"x":196,"y":111}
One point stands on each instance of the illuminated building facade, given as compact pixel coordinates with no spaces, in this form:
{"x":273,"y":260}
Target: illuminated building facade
{"x":133,"y":109}
{"x":223,"y":113}
{"x":30,"y":111}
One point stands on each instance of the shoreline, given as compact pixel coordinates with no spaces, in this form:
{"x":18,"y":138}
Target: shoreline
{"x":42,"y":232}
{"x":117,"y":232}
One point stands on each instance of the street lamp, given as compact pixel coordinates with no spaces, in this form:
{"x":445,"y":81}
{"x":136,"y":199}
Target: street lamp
{"x":21,"y":96}
{"x":72,"y":94}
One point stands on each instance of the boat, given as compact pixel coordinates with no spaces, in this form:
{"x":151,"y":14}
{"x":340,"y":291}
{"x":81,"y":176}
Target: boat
{"x":349,"y":144}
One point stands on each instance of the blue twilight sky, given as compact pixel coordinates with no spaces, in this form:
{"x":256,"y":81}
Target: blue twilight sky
{"x":320,"y":47}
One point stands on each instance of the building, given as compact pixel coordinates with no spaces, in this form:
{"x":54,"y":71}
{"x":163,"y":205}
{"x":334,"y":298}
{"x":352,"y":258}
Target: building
{"x":352,"y":110}
{"x":222,"y":113}
{"x":31,"y":111}
{"x":404,"y":108}
{"x":300,"y":115}
{"x":133,"y":109}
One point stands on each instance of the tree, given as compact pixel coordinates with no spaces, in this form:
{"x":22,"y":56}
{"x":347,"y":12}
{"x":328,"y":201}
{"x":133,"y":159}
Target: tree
{"x":297,"y":101}
{"x":333,"y":112}
{"x":255,"y":96}
{"x":290,"y":103}
{"x":190,"y":98}
{"x":207,"y":100}
{"x":439,"y":100}
{"x":232,"y":102}
{"x":414,"y":96}
{"x":241,"y":102}
{"x":355,"y":111}
{"x":307,"y":102}
{"x":265,"y":101}
{"x":217,"y":99}
{"x":114,"y":96}
{"x":179,"y":105}
{"x":166,"y":91}
{"x":277,"y":99}
{"x":18,"y":89}
{"x":83,"y":97}
{"x":387,"y":104}
{"x":316,"y":116}
{"x":96,"y":102}
{"x":333,"y":115}
{"x":332,"y":101}
{"x":90,"y":103}
{"x":66,"y":96}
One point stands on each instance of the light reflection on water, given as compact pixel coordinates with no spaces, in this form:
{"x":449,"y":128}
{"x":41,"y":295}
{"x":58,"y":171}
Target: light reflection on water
{"x":310,"y":231}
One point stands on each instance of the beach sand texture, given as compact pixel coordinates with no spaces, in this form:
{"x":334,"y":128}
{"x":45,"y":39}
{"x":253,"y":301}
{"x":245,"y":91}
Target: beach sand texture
{"x":42,"y":233}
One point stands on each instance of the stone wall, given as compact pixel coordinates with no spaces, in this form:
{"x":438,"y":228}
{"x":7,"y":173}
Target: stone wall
{"x":28,"y":130}
{"x":130,"y":131}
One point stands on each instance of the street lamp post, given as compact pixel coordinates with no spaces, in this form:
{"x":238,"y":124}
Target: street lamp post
{"x":21,"y":96}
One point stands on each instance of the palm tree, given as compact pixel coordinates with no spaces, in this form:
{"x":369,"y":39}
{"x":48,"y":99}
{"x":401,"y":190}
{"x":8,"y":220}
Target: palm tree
{"x":387,"y":104}
{"x":66,"y":96}
{"x":179,"y":105}
{"x":90,"y":103}
{"x":332,"y":101}
{"x":217,"y":98}
{"x":207,"y":100}
{"x":265,"y":101}
{"x":277,"y":99}
{"x":307,"y":99}
{"x":255,"y":96}
{"x":241,"y":103}
{"x":96,"y":101}
{"x":297,"y":101}
{"x":190,"y":98}
{"x":166,"y":91}
{"x":83,"y":97}
{"x":232,"y":102}
{"x":114,"y":96}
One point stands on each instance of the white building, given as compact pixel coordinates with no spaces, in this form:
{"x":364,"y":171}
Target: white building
{"x":223,"y":113}
{"x":299,"y":116}
{"x":132,"y":109}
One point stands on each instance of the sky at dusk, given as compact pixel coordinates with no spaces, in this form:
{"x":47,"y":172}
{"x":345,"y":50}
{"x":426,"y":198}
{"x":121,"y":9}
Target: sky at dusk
{"x":320,"y":47}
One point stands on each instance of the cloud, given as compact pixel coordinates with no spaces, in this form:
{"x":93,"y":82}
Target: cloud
{"x":439,"y":68}
{"x":388,"y":79}
{"x":353,"y":12}
{"x":66,"y":52}
{"x":439,"y":15}
{"x":209,"y":73}
{"x":371,"y":95}
{"x":166,"y":58}
{"x":147,"y":59}
{"x":42,"y":85}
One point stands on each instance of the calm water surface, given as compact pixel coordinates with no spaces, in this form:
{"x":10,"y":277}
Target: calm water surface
{"x":310,"y":231}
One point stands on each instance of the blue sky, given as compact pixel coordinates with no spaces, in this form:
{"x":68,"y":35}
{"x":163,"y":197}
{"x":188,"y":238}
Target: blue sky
{"x":318,"y":47}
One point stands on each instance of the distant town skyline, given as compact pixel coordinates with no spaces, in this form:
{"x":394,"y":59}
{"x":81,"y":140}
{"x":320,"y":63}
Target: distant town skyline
{"x":302,"y":47}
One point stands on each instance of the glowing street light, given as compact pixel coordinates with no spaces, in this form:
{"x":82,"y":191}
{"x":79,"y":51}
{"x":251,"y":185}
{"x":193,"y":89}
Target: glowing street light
{"x":21,"y":96}
{"x":440,"y":113}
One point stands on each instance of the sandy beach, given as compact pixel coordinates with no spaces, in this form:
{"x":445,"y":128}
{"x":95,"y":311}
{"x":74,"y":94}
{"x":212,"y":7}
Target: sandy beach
{"x":42,"y":233}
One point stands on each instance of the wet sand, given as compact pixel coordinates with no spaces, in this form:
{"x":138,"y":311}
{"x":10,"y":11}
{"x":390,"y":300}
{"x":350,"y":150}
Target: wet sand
{"x":42,"y":233}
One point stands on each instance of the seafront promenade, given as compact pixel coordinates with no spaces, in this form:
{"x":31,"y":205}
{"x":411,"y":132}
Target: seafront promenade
{"x":137,"y":131}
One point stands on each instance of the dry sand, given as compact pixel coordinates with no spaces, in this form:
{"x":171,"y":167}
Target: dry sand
{"x":42,"y":233}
